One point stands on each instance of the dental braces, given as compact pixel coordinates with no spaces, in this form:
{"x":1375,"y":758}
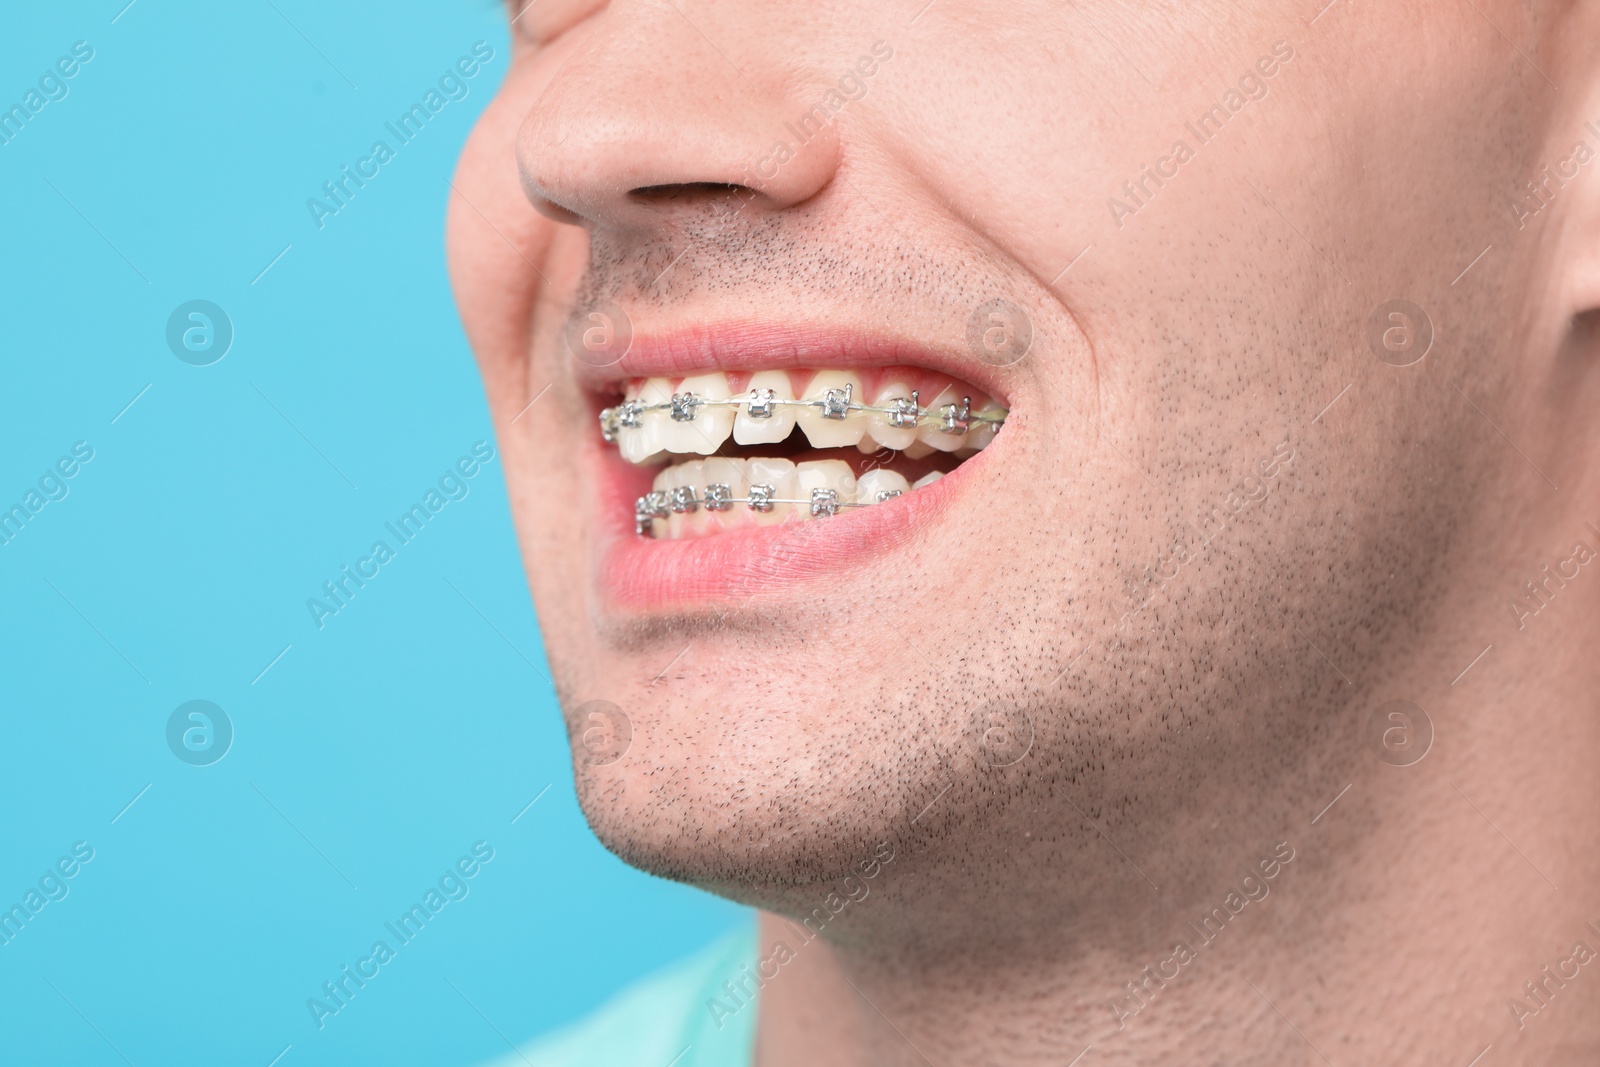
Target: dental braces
{"x":718,"y":496}
{"x":902,"y":413}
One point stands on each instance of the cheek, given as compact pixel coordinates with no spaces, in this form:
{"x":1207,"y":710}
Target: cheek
{"x":494,"y":288}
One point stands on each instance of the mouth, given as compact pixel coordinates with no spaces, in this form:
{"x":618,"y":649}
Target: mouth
{"x":790,"y":445}
{"x":729,"y":461}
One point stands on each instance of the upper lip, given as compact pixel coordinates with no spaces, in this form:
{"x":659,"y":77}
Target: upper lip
{"x":752,"y":346}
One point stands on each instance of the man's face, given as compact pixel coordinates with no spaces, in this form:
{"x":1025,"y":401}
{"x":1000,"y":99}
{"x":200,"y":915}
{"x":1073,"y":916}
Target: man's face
{"x":1160,"y":237}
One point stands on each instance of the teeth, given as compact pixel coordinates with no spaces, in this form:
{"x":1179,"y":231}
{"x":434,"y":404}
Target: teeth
{"x":896,"y":427}
{"x":700,"y":497}
{"x":837,"y":421}
{"x":657,"y":421}
{"x":720,"y":471}
{"x":983,"y":426}
{"x":650,"y":514}
{"x":684,"y":486}
{"x":640,"y":444}
{"x":871,"y":486}
{"x":695,"y":426}
{"x":775,"y":427}
{"x":825,"y":483}
{"x":779,"y":476}
{"x":945,"y":412}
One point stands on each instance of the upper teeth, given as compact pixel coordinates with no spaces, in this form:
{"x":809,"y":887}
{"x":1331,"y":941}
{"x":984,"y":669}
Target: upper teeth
{"x":700,"y":415}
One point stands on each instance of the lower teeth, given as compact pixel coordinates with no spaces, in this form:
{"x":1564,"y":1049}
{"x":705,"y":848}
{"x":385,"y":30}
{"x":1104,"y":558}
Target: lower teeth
{"x":660,"y":505}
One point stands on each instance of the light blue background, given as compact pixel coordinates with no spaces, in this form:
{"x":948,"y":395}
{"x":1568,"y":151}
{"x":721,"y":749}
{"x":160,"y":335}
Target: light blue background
{"x":375,"y":751}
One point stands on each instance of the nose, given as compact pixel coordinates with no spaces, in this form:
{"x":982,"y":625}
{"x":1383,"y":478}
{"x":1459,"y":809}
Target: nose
{"x":645,"y":118}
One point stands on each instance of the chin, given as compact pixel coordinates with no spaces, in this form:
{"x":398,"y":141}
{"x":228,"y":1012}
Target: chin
{"x":752,"y":807}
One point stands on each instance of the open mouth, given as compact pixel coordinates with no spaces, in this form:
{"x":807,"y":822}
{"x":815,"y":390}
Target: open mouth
{"x":790,"y":445}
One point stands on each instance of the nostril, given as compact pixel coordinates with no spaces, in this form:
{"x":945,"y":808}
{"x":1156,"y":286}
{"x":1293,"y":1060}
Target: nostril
{"x":663,"y":194}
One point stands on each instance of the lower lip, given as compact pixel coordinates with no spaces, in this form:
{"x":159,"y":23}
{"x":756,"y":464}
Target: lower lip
{"x":642,"y":573}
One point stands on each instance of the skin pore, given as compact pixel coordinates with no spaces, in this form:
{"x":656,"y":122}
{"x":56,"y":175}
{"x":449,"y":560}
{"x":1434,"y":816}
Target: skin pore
{"x":1076,"y":707}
